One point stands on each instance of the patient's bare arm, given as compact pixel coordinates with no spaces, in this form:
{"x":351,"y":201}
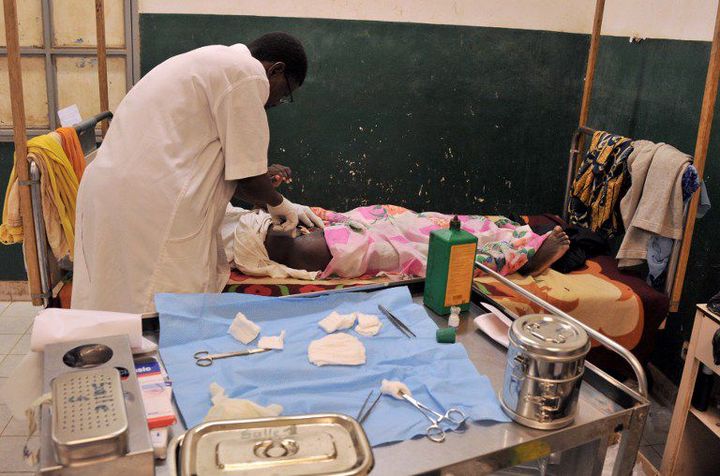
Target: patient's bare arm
{"x":308,"y":252}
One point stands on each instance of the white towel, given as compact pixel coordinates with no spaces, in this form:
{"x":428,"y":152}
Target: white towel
{"x":653,"y":204}
{"x":249,"y":252}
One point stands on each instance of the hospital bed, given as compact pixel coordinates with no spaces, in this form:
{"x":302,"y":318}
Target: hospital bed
{"x":620,"y":304}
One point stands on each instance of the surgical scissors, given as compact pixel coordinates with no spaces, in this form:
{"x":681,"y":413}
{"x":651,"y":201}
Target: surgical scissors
{"x":205,"y":358}
{"x":434,"y":432}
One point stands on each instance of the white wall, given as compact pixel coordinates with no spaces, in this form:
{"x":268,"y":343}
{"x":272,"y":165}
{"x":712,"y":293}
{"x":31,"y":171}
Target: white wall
{"x":675,"y":19}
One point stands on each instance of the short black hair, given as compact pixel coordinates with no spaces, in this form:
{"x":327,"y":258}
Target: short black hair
{"x":279,"y":46}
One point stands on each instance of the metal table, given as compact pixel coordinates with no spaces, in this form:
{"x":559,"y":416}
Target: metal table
{"x":606,"y":407}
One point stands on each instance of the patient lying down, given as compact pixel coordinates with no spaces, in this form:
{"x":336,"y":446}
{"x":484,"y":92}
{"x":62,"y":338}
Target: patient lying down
{"x":381,"y":240}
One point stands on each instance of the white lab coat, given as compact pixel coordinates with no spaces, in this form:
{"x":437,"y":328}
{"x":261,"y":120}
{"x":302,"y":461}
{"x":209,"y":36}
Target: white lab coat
{"x":151,"y":203}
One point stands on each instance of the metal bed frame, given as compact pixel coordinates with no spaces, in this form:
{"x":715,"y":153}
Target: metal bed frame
{"x":51,"y":271}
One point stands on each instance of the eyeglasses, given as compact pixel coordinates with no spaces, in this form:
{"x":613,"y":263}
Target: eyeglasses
{"x":289,"y":97}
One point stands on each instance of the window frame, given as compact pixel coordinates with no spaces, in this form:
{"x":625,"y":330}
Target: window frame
{"x":50,"y":53}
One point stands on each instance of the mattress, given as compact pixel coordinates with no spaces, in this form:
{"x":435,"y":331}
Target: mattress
{"x":620,"y":305}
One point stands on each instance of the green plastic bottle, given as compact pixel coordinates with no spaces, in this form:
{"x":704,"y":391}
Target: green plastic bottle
{"x":451,"y":261}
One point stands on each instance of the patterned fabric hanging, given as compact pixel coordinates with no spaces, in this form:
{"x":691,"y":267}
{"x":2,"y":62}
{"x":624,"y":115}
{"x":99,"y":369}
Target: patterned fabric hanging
{"x":600,"y":183}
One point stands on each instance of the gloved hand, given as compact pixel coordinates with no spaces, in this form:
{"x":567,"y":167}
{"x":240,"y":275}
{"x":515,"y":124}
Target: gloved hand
{"x":308,"y":217}
{"x":284,"y":216}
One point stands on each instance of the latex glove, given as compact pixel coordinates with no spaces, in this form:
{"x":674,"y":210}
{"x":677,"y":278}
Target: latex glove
{"x":284,"y":216}
{"x":308,"y":217}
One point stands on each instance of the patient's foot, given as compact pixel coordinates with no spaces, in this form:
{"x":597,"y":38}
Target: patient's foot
{"x":552,"y":249}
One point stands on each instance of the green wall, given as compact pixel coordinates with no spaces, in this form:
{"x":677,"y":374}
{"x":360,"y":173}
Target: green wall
{"x":11,"y":260}
{"x":434,"y":117}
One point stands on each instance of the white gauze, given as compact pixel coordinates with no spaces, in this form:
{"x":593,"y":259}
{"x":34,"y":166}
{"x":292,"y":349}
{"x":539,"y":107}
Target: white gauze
{"x":336,"y":322}
{"x":368,"y":324}
{"x":336,"y":349}
{"x":393,"y":388}
{"x":226,"y":408}
{"x":272,"y":342}
{"x":243,"y":329}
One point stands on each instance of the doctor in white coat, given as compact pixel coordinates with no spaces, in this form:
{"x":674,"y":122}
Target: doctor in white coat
{"x":188,"y":136}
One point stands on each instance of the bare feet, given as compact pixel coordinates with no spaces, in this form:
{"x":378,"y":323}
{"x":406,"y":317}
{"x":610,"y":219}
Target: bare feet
{"x":553,"y":248}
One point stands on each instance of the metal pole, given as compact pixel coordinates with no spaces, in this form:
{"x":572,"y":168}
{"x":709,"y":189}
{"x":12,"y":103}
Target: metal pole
{"x":102,"y":60}
{"x":41,"y":236}
{"x":707,"y":112}
{"x":21,"y":164}
{"x":604,"y":340}
{"x":592,"y":59}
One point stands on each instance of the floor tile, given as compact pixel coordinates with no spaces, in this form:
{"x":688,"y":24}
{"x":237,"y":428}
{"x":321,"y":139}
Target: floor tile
{"x":11,"y":453}
{"x":21,"y":309}
{"x":16,"y":427}
{"x":4,"y":305}
{"x":23,"y":346}
{"x":659,"y":449}
{"x":7,"y":342}
{"x":658,"y":424}
{"x":16,"y":325}
{"x":5,"y":417}
{"x":9,"y":364}
{"x":652,"y":455}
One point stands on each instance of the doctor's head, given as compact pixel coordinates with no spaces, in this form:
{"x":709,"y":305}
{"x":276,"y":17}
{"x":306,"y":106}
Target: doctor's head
{"x":283,"y":57}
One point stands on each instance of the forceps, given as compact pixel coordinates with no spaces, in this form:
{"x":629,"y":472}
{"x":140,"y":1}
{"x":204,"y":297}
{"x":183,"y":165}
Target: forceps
{"x":434,"y":432}
{"x":396,"y":322}
{"x":364,"y":413}
{"x":205,"y":358}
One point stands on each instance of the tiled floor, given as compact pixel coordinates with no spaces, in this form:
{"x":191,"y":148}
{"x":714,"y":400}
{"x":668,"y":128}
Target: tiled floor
{"x":656,"y":432}
{"x":15,"y":325}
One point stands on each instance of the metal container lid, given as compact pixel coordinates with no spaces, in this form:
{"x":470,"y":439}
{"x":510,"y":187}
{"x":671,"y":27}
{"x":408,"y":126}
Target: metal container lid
{"x":549,"y":335}
{"x":330,"y":444}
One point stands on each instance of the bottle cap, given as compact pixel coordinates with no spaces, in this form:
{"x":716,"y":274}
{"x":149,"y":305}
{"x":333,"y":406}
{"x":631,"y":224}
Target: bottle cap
{"x":455,"y":223}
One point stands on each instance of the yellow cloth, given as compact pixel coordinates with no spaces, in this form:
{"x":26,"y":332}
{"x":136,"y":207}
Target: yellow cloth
{"x":59,"y":186}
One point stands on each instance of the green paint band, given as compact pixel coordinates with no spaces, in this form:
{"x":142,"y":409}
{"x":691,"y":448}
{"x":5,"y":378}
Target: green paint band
{"x":445,"y":335}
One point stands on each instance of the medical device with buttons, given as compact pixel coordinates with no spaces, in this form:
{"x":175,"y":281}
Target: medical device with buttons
{"x":96,"y":423}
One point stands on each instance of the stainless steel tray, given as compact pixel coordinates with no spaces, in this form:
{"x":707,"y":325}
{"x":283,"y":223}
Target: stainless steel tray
{"x":296,"y":445}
